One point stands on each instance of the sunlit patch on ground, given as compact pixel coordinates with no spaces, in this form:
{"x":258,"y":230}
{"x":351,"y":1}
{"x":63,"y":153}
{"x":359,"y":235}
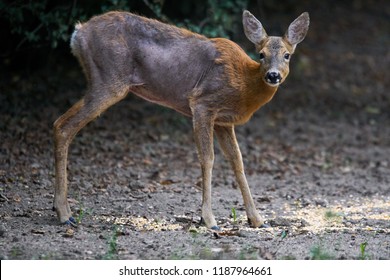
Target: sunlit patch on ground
{"x":346,"y":215}
{"x":142,"y":223}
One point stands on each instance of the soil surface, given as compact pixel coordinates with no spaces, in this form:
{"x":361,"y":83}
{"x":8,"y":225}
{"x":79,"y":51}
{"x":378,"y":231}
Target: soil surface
{"x":317,"y":159}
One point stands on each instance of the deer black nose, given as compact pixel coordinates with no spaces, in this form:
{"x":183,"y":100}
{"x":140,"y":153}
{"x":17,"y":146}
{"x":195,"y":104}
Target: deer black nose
{"x":273,"y":77}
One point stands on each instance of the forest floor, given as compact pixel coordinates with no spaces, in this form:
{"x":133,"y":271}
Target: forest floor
{"x":317,"y":159}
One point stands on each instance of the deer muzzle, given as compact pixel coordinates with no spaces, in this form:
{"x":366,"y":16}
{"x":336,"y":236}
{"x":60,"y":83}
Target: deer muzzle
{"x":273,"y":78}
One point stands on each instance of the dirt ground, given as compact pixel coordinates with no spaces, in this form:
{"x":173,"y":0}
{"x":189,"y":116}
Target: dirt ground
{"x":317,"y":159}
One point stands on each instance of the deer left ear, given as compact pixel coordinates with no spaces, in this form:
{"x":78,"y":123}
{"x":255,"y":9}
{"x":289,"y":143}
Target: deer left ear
{"x":297,"y":30}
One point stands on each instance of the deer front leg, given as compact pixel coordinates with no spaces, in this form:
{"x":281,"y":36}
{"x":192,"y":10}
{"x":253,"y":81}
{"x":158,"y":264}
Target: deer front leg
{"x":228,"y":142}
{"x":203,"y":134}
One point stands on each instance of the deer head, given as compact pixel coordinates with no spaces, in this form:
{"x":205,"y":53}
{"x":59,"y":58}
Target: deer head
{"x":275,"y":52}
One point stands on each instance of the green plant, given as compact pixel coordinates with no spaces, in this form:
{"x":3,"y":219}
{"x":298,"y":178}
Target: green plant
{"x":47,"y":23}
{"x":333,"y":216}
{"x":234,"y":215}
{"x":82,"y":211}
{"x":39,"y":22}
{"x":248,"y":253}
{"x":206,"y":254}
{"x":112,"y":245}
{"x":80,"y":216}
{"x":284,"y":234}
{"x":222,"y":18}
{"x":15,"y":252}
{"x":288,"y":257}
{"x":363,"y":250}
{"x":318,"y":253}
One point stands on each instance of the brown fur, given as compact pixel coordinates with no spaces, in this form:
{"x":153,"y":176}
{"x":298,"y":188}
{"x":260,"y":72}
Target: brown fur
{"x":244,"y":75}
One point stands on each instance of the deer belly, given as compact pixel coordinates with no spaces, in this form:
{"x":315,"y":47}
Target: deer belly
{"x":178,"y":104}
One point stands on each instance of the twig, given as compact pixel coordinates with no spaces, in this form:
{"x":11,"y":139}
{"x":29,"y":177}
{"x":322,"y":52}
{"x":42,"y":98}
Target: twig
{"x":25,"y":38}
{"x":141,"y":196}
{"x":4,"y":197}
{"x":159,"y":14}
{"x":71,"y":11}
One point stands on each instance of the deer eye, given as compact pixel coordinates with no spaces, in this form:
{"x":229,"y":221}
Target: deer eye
{"x":286,"y":56}
{"x":261,"y":55}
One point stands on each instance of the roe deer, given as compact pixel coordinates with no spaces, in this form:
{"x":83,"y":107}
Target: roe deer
{"x":213,"y":81}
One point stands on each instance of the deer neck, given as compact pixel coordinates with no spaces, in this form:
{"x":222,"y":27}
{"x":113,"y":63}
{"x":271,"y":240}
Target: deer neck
{"x":244,"y":76}
{"x":256,"y":91}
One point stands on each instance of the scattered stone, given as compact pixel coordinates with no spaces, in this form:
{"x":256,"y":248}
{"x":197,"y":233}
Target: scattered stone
{"x":280,"y":222}
{"x":38,"y":231}
{"x":263,"y":199}
{"x":321,"y":202}
{"x":2,"y":231}
{"x":69,"y":233}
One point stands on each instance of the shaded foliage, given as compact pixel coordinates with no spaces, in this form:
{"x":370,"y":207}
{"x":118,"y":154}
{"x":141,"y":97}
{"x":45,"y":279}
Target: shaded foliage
{"x":37,"y":24}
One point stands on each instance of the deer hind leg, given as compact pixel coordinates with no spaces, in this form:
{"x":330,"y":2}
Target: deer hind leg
{"x":65,"y":128}
{"x":228,"y":142}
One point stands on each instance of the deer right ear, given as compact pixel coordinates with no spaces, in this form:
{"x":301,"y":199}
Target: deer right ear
{"x":253,"y":29}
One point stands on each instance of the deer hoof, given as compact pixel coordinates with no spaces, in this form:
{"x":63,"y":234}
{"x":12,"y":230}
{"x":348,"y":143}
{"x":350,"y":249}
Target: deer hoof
{"x":265,"y":226}
{"x":71,"y":222}
{"x":256,"y":222}
{"x":203,"y":223}
{"x":216,"y":228}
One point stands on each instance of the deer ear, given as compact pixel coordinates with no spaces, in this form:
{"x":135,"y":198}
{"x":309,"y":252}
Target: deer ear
{"x":297,"y":30}
{"x":253,"y":29}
